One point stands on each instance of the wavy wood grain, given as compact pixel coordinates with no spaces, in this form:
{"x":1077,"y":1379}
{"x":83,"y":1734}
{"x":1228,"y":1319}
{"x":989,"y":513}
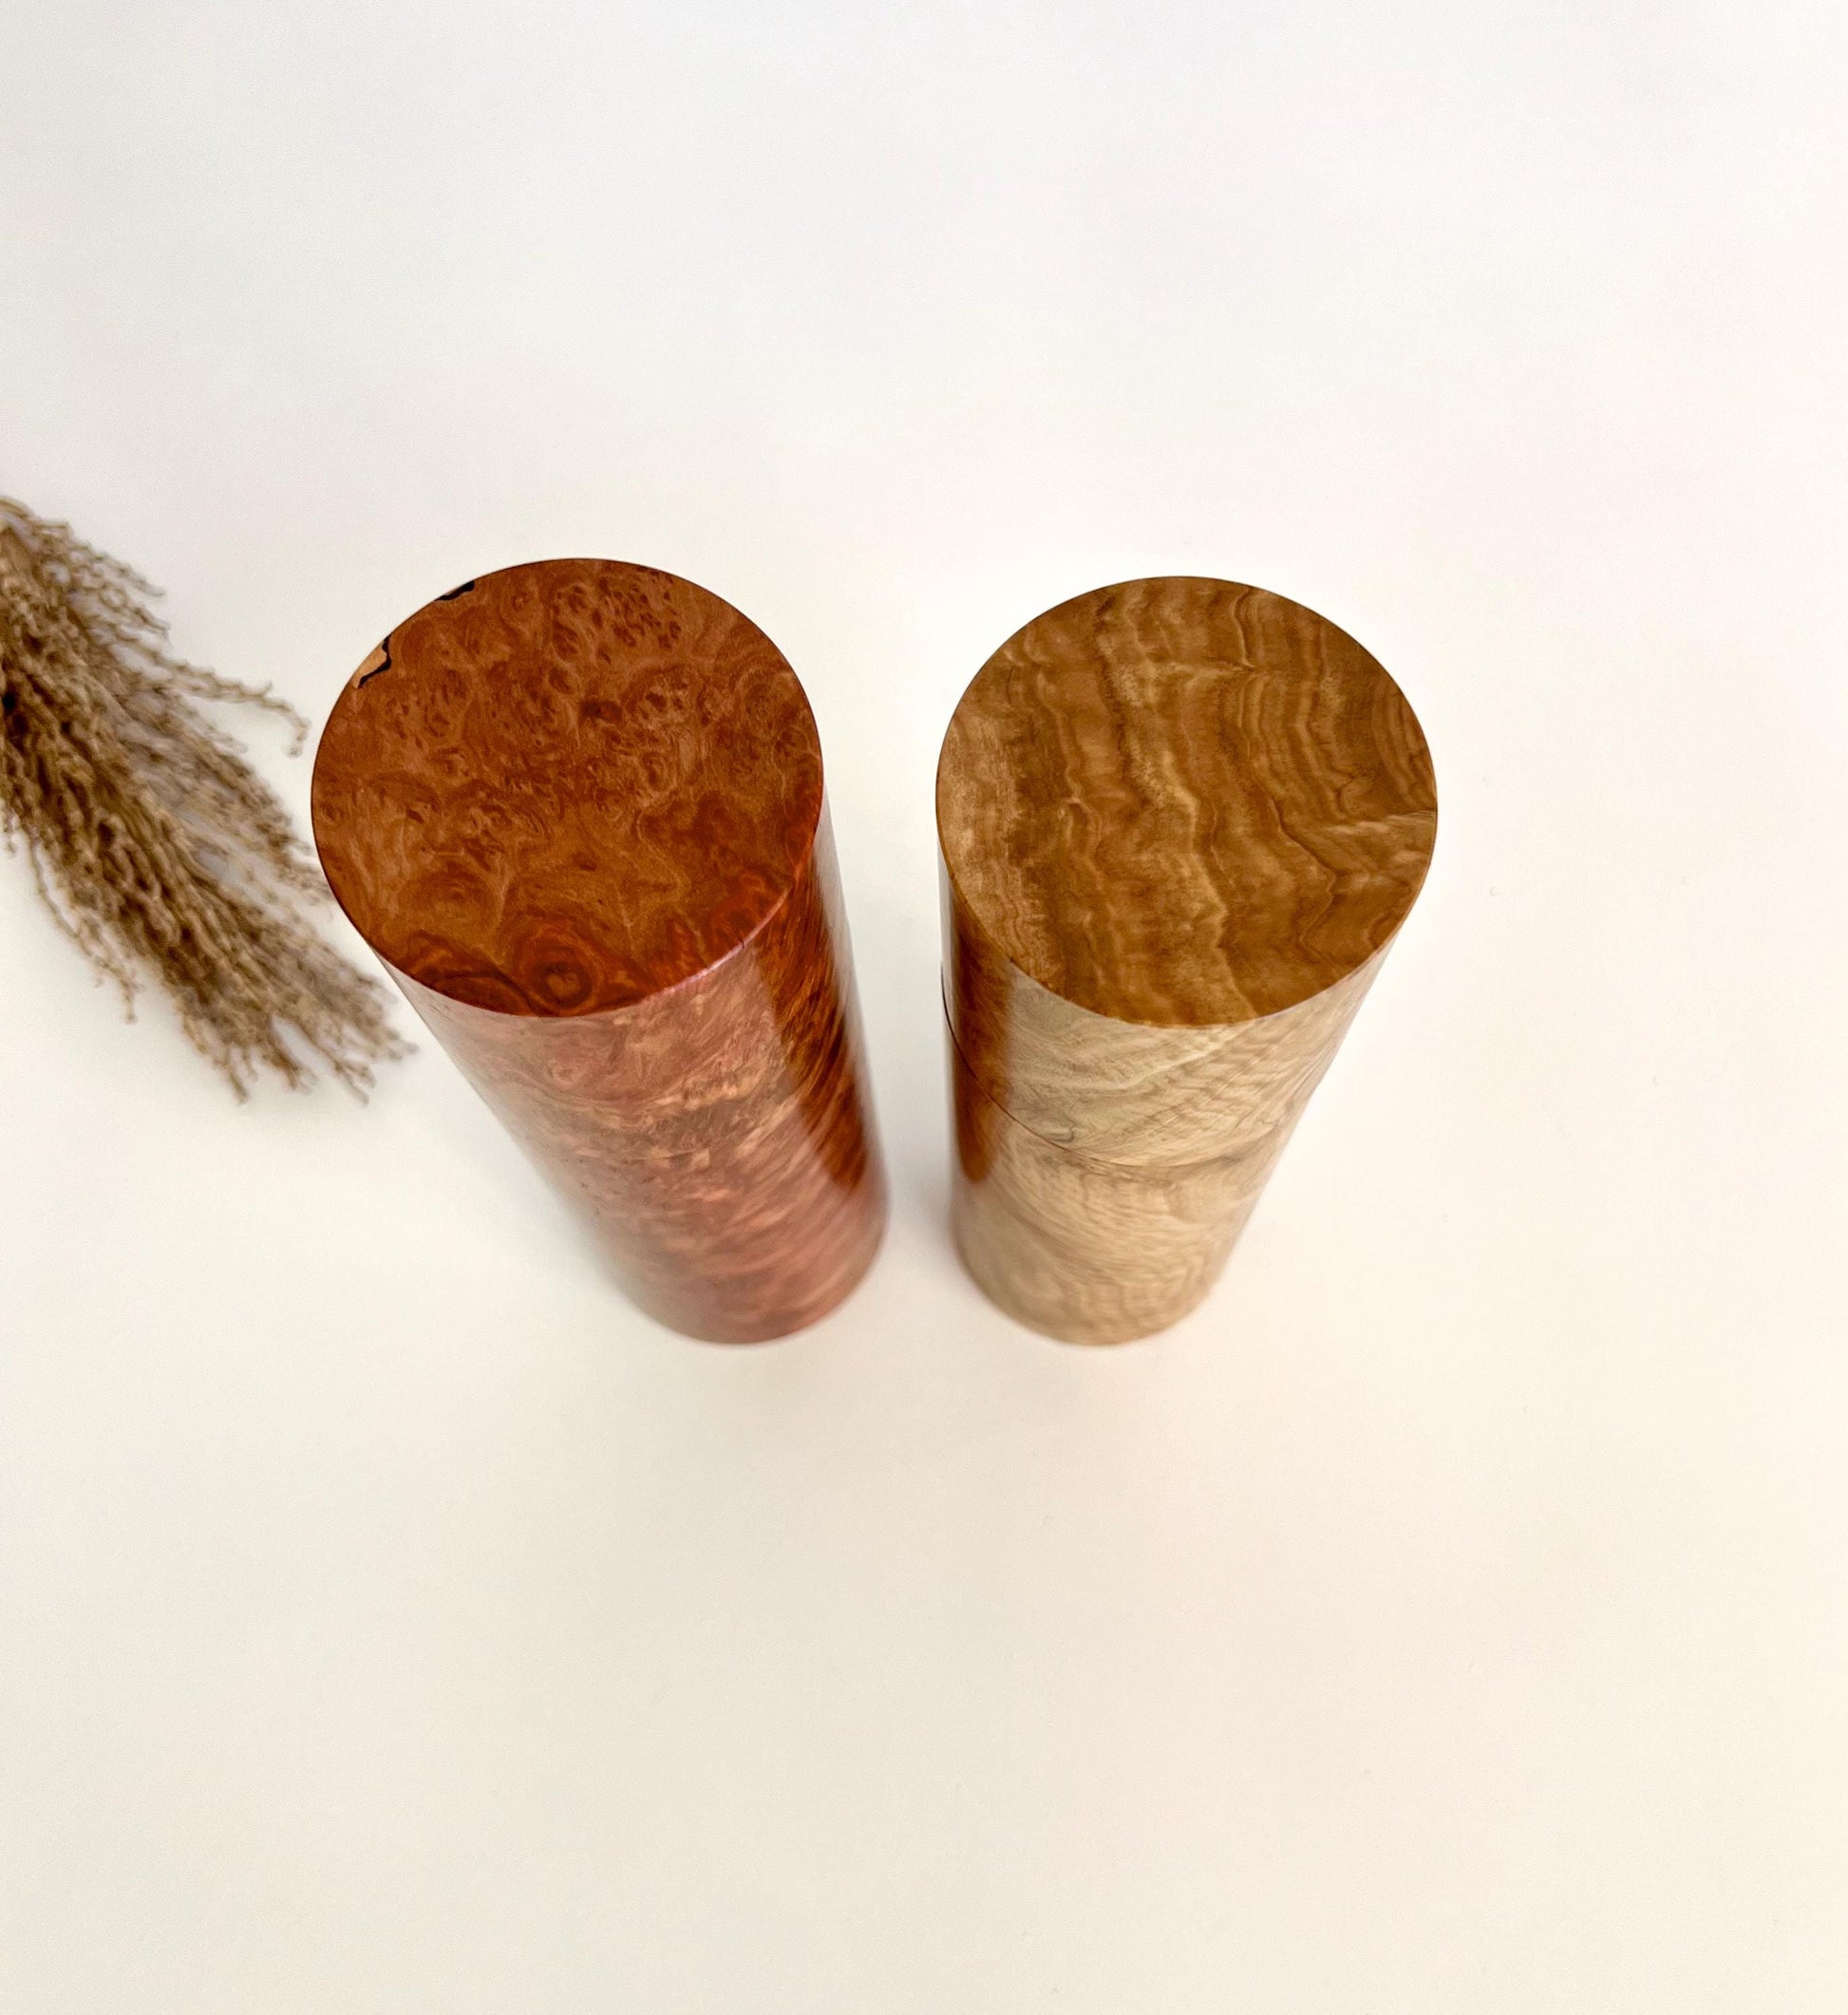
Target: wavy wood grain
{"x":577,"y":810}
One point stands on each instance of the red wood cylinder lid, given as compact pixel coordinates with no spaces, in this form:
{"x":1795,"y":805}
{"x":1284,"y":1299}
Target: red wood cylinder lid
{"x":566,"y":786}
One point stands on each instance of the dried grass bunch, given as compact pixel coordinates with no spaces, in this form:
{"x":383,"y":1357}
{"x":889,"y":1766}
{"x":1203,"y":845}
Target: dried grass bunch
{"x":152,"y":841}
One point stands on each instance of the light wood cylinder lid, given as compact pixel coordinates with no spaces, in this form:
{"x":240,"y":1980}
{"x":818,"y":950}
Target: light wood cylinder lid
{"x":1181,"y":821}
{"x":1185,"y":804}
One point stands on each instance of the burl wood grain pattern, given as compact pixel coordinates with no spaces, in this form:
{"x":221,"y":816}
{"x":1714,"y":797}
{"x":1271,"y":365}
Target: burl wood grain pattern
{"x":576,"y":808}
{"x":1181,"y":822}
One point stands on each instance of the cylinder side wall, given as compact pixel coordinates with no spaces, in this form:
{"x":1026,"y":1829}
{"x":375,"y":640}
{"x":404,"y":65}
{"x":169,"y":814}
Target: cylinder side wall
{"x":1088,"y":1251}
{"x":717,"y":1138}
{"x":1125,"y":1091}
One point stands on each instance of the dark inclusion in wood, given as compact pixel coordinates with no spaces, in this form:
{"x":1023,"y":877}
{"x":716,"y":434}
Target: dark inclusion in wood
{"x":1180,"y":822}
{"x":576,"y":808}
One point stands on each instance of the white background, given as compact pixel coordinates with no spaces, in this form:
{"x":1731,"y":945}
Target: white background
{"x":1452,"y":1614}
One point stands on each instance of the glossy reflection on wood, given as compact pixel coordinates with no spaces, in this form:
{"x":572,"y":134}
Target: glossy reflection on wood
{"x":576,"y":808}
{"x":1181,"y":822}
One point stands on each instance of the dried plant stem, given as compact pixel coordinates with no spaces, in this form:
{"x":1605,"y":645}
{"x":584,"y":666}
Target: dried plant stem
{"x":154,"y":845}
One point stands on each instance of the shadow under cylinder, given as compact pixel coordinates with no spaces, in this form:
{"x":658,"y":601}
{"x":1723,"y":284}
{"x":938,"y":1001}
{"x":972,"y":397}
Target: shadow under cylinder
{"x":1179,"y":823}
{"x":576,"y":810}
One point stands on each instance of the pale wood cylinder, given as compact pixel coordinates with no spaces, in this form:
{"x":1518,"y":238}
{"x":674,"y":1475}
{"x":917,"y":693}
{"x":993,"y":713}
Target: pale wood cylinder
{"x":1180,"y":822}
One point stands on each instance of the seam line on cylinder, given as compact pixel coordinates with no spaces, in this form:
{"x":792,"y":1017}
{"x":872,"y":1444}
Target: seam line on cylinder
{"x":1079,"y":1154}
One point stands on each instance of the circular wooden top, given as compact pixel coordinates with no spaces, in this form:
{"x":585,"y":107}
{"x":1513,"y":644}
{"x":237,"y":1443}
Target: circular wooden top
{"x":566,"y":786}
{"x":1185,"y":803}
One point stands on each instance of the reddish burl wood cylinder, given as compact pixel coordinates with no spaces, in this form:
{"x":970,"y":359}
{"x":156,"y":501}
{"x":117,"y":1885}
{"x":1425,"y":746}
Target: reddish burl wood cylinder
{"x":577,"y":809}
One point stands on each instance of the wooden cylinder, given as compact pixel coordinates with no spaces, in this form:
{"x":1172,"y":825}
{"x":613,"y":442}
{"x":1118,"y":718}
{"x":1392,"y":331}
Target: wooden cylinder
{"x":1179,"y":822}
{"x":577,"y":809}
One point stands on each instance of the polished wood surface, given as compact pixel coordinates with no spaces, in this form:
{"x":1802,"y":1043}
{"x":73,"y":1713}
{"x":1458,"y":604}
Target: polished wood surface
{"x":1181,"y":822}
{"x":565,"y":787}
{"x":1185,"y":803}
{"x":576,"y":808}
